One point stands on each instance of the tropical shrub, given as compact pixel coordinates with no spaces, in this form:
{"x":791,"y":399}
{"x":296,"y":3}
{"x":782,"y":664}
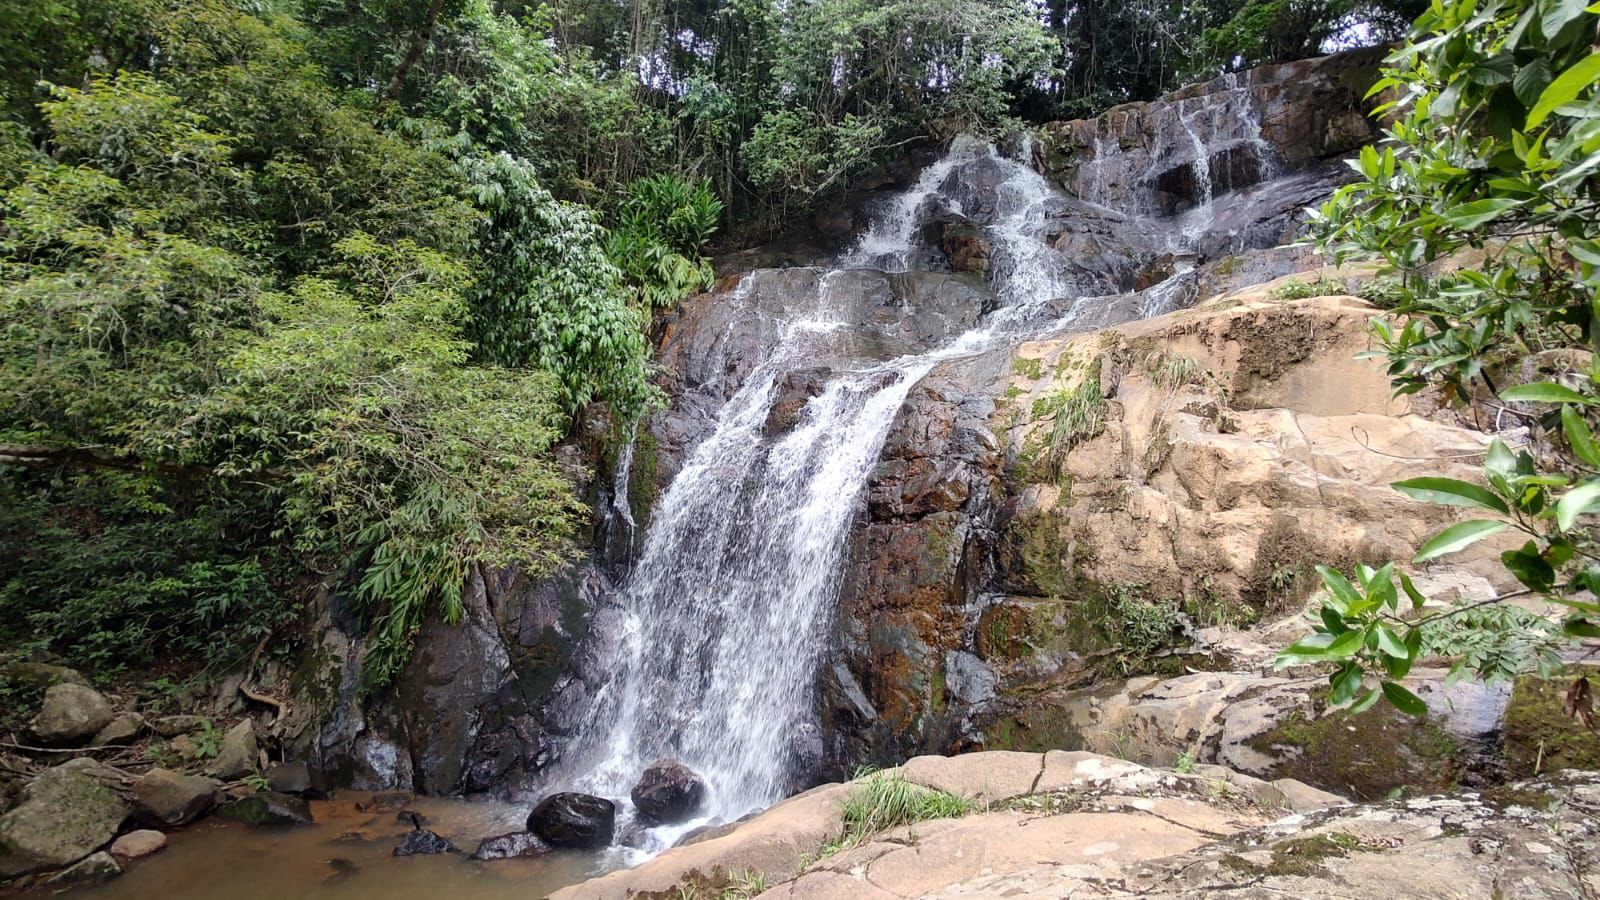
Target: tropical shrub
{"x":1492,"y":157}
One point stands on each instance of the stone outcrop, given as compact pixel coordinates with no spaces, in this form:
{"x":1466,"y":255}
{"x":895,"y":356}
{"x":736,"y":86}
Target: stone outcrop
{"x":238,"y":753}
{"x":1142,"y":157}
{"x":61,"y":816}
{"x":1206,"y":460}
{"x":1060,"y":824}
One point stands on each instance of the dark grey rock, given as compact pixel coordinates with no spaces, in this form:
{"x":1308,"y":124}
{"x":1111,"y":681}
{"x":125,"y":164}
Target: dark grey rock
{"x":578,"y":821}
{"x":668,"y":792}
{"x":423,"y":843}
{"x":510,"y":846}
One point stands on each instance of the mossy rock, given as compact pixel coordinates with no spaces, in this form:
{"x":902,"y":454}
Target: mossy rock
{"x":1367,"y":756}
{"x":1539,"y":737}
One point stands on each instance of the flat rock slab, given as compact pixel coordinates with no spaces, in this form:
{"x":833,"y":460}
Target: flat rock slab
{"x":773,"y":843}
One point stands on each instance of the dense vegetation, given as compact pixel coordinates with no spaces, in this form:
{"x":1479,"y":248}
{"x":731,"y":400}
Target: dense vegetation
{"x":292,"y":289}
{"x":1485,"y":204}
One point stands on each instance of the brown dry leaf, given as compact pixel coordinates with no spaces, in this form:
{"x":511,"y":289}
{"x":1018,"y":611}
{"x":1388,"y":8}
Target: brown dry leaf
{"x":1580,"y":702}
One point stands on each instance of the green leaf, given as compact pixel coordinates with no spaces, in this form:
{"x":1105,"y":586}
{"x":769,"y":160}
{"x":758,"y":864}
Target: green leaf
{"x":1450,"y":492}
{"x":1458,"y":537}
{"x":1576,"y":502}
{"x":1344,"y":594}
{"x":1404,"y":700}
{"x":1544,"y":392}
{"x":1468,"y":216}
{"x":1417,"y":600}
{"x":1531,"y":80}
{"x":1579,"y":437}
{"x":1366,"y":702}
{"x":1530,"y":568}
{"x":1346,"y":682}
{"x":1389,"y":642}
{"x":1347,"y":644}
{"x":1565,"y":89}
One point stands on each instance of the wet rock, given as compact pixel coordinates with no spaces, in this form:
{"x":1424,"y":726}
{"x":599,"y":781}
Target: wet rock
{"x":135,"y":844}
{"x":388,"y":800}
{"x":966,"y":247}
{"x":62,"y":815}
{"x":423,"y":843}
{"x":120,"y":730}
{"x":668,"y":792}
{"x":267,"y":809}
{"x":70,"y":714}
{"x":238,"y":754}
{"x":173,"y":726}
{"x":578,"y":821}
{"x":97,"y":868}
{"x":511,"y":846}
{"x":795,"y":390}
{"x":289,"y":777}
{"x":166,"y":798}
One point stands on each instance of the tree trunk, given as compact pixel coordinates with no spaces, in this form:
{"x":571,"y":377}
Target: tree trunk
{"x":418,"y":44}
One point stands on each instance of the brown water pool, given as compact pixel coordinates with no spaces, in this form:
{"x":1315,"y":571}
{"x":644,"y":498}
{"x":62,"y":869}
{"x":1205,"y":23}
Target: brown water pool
{"x":347,"y":855}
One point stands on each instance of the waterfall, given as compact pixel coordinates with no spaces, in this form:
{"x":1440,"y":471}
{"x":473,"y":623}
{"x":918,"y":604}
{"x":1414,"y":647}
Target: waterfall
{"x":729,"y":604}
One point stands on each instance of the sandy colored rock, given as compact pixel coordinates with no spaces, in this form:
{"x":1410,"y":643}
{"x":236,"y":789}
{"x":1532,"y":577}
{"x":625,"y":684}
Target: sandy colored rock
{"x":135,"y":844}
{"x":122,"y":729}
{"x":166,"y":798}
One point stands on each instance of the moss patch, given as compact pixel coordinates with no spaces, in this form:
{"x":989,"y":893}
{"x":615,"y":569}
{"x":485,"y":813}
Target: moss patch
{"x":1030,"y":368}
{"x":1539,"y":737}
{"x":1300,"y":857}
{"x":1366,"y":756}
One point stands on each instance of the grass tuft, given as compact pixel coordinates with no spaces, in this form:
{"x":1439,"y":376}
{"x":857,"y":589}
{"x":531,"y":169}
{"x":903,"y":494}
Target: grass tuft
{"x":889,"y":801}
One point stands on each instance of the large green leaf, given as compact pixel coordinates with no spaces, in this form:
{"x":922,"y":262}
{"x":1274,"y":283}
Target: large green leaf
{"x":1576,"y":502}
{"x":1544,"y":392}
{"x":1450,"y":492}
{"x":1458,"y":537}
{"x":1566,"y":88}
{"x":1467,"y":216}
{"x":1579,"y":436}
{"x":1404,"y":700}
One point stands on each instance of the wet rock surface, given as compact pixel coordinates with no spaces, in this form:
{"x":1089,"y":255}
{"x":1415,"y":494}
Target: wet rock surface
{"x":422,"y":842}
{"x":572,"y":820}
{"x":267,"y":809}
{"x":668,"y":792}
{"x":517,"y":844}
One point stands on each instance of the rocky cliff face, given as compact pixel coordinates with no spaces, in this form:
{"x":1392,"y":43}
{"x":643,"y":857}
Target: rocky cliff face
{"x":1011,"y":518}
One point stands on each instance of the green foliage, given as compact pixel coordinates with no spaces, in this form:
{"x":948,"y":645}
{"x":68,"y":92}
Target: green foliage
{"x":1494,"y":146}
{"x":110,"y":569}
{"x":1076,"y":414}
{"x":1297,"y":289}
{"x":886,"y":801}
{"x":662,"y":226}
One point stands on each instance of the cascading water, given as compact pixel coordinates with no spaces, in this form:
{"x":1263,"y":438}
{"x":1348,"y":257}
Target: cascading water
{"x":730,"y":599}
{"x":729,"y":604}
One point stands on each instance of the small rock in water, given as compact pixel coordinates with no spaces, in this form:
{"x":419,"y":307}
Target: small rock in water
{"x":339,"y":867}
{"x":95,"y":868}
{"x":289,"y":777}
{"x":422,"y":843}
{"x":510,"y":846}
{"x":268,"y":808}
{"x":668,"y":792}
{"x":572,"y":820}
{"x":71,"y":713}
{"x":135,"y":844}
{"x":411,"y":817}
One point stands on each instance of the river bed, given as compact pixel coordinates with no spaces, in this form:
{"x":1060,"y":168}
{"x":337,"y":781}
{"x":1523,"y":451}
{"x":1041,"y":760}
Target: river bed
{"x":348,"y":855}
